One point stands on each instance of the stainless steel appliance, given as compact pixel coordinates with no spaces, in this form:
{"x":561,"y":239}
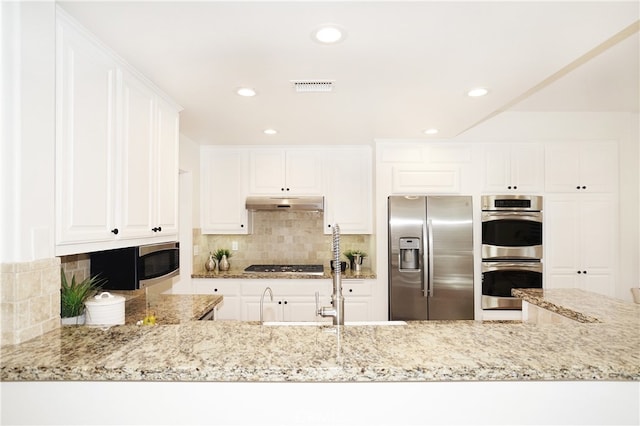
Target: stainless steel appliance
{"x":511,"y":227}
{"x":498,"y":278}
{"x":133,"y":268}
{"x":430,"y":257}
{"x":511,"y":248}
{"x":292,"y":203}
{"x":286,"y":269}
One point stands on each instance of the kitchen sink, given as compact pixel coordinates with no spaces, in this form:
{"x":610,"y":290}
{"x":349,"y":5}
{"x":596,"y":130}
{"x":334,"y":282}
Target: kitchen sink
{"x":328,"y":323}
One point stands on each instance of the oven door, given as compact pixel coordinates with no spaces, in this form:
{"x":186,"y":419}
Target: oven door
{"x":511,"y":235}
{"x":499,"y":278}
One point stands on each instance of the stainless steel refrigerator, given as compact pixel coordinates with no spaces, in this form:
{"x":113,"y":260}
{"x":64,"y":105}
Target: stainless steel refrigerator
{"x":430,"y":257}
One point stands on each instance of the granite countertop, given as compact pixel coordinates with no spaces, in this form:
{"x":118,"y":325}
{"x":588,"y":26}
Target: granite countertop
{"x":419,"y":351}
{"x":167,"y":308}
{"x":237,"y":271}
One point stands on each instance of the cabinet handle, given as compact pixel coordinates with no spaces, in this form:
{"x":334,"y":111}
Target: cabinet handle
{"x":584,"y":187}
{"x":350,"y":290}
{"x":279,"y":302}
{"x":215,"y":290}
{"x":281,"y":189}
{"x":157,"y":229}
{"x":582,"y":272}
{"x":287,"y":189}
{"x":242,"y":225}
{"x":115,"y":231}
{"x":329,"y":226}
{"x":285,"y":302}
{"x":515,"y":187}
{"x":509,"y":187}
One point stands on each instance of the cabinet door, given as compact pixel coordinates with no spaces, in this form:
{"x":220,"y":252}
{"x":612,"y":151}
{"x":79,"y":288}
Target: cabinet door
{"x":230,"y":308}
{"x":348,"y":191}
{"x":517,"y":167}
{"x":497,"y":167}
{"x":85,"y":139}
{"x":272,"y":311}
{"x":581,"y":167}
{"x":527,"y":167}
{"x":267,"y":171}
{"x":303,"y":172}
{"x":284,"y":172}
{"x":136,"y":163}
{"x":580,"y":241}
{"x":599,"y":166}
{"x":166,"y":190}
{"x":223,"y":191}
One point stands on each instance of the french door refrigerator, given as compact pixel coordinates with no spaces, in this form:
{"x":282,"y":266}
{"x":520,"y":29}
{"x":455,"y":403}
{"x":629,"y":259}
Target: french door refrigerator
{"x":430,"y":257}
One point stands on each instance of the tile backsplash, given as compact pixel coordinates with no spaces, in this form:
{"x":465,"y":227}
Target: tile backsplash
{"x":281,"y":237}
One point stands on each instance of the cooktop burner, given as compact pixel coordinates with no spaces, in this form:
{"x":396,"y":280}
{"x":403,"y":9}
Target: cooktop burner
{"x":292,"y":269}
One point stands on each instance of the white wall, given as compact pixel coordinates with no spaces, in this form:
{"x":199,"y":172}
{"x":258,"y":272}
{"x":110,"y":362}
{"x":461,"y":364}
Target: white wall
{"x":28,"y":127}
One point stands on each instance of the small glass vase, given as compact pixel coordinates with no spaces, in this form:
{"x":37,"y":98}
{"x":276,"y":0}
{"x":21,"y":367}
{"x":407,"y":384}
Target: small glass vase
{"x":223,"y":264}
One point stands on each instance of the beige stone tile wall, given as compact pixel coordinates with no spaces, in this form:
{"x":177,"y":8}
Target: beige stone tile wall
{"x":30,"y":299}
{"x":281,"y":237}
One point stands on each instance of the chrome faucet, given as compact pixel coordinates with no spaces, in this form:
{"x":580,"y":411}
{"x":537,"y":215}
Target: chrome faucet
{"x":336,"y":310}
{"x":268,"y":289}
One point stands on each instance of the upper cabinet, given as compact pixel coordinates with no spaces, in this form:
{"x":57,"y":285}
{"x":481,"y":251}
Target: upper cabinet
{"x":581,"y":167}
{"x":285,"y":171}
{"x":348,"y":195}
{"x":116,"y":150}
{"x":513,"y":168}
{"x":223,"y":190}
{"x":342,"y":174}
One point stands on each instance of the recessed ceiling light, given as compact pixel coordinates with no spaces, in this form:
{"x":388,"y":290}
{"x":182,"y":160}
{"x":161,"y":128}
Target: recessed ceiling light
{"x":328,"y":34}
{"x":431,"y":131}
{"x":246,"y":91}
{"x":270,"y":131}
{"x":477,"y":92}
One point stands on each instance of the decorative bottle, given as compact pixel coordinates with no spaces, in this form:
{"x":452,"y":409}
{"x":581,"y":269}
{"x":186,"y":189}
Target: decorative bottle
{"x":210,"y":264}
{"x":223,"y":264}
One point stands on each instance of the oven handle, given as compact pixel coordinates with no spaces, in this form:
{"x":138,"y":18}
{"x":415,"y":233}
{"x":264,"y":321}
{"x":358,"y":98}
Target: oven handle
{"x":532,"y":216}
{"x":506,"y":266}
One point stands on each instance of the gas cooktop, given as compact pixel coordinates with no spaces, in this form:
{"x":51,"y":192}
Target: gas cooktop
{"x":286,"y":269}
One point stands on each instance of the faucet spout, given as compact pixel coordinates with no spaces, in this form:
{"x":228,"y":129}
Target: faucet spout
{"x":268,"y":289}
{"x":336,"y":310}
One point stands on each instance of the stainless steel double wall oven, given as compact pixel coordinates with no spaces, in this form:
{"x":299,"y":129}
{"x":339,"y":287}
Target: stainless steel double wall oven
{"x":511,"y":248}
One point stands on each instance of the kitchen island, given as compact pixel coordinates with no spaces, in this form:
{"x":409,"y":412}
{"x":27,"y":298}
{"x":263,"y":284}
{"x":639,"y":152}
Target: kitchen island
{"x":438,"y":351}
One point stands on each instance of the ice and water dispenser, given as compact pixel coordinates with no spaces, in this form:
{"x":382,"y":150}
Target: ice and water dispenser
{"x":409,"y":253}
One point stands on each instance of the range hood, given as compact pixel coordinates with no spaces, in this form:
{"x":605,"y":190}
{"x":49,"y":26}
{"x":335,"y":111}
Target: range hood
{"x":306,"y":203}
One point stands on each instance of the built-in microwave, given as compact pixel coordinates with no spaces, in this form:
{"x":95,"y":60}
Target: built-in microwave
{"x":134,"y":268}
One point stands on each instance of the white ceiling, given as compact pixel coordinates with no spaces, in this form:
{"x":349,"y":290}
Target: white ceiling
{"x":403,"y":67}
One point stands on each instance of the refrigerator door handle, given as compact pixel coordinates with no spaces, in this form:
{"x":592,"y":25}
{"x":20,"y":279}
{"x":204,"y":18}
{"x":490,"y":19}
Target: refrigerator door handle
{"x":429,"y":230}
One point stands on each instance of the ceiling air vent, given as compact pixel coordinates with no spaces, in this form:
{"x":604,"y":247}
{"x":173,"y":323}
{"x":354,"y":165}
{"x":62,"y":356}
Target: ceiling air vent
{"x":309,"y":86}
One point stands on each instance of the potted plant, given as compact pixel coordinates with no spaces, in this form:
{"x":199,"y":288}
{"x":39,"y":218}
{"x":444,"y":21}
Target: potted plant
{"x":223,"y":256}
{"x":355,"y":258}
{"x":74,"y":294}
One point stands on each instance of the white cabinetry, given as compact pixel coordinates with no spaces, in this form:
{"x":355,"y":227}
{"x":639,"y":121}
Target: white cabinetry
{"x":293,"y":300}
{"x":85,"y":139}
{"x":581,"y":167}
{"x":580,"y":242}
{"x":285,"y":172}
{"x":513,"y":167}
{"x":230,"y":308}
{"x":348,"y":189}
{"x":358,"y":300}
{"x":116,"y":150}
{"x":223,"y":191}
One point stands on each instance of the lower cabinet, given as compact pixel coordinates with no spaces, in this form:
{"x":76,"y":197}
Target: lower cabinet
{"x":230,"y":308}
{"x":293,"y":300}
